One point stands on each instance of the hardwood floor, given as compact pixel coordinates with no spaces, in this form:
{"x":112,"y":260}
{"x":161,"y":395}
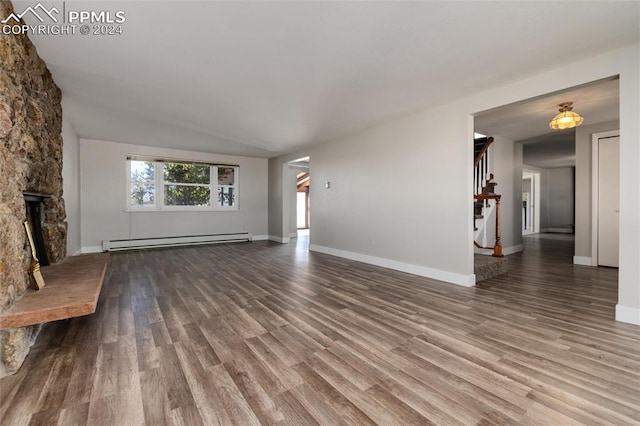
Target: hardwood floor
{"x":263,"y":333}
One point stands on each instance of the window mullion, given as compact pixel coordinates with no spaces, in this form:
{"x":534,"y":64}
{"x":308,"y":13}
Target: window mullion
{"x":159,"y":167}
{"x":186,"y":184}
{"x":129,"y":196}
{"x":213,"y":181}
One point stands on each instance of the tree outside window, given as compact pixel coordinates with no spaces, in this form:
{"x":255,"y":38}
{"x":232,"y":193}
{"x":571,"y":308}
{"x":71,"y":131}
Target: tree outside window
{"x":142,"y":183}
{"x":187,"y":184}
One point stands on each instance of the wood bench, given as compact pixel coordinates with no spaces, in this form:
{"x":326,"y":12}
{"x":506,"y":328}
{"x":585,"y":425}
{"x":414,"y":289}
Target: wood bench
{"x":72,"y":290}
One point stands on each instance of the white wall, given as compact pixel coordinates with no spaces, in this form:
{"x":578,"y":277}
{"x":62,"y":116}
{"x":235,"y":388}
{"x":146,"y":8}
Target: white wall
{"x":104,"y":197}
{"x":507,"y":171}
{"x":395,"y":195}
{"x":417,"y":217}
{"x":561,"y":198}
{"x":628,"y":307}
{"x":71,"y":185}
{"x":276,"y":199}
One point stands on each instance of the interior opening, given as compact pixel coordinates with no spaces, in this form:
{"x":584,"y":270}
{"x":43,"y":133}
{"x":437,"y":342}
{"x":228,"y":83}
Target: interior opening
{"x":544,"y":176}
{"x":530,"y":202}
{"x":300,"y":218}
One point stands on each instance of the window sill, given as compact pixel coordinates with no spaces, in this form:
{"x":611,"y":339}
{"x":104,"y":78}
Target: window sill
{"x":179,"y":209}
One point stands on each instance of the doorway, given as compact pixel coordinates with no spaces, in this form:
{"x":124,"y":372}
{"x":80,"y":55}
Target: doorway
{"x":298,"y":200}
{"x":303,"y":215}
{"x":530,"y":202}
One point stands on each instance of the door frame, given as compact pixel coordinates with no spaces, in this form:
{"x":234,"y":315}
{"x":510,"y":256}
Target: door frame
{"x":595,"y":139}
{"x":535,"y":197}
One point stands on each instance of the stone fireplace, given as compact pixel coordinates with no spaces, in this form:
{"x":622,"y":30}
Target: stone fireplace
{"x":31,"y":162}
{"x":35,"y":216}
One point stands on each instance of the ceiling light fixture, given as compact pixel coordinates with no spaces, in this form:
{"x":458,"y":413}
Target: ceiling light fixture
{"x":567,"y":119}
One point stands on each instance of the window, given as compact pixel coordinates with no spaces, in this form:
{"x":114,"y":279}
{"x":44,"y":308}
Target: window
{"x":226,"y":186}
{"x":142,"y":183}
{"x":173,"y":185}
{"x":187,"y":184}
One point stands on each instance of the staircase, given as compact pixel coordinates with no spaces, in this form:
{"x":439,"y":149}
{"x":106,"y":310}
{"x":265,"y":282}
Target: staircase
{"x":486,"y":220}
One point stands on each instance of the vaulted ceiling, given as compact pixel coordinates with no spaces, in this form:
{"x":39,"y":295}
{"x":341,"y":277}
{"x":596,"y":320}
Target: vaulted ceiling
{"x":265,"y":78}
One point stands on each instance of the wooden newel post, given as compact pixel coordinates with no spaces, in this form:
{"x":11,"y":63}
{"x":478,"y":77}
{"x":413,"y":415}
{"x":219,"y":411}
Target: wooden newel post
{"x":497,"y":249}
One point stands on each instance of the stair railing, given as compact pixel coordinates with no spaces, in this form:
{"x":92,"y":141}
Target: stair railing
{"x":482,"y":176}
{"x":497,"y":248}
{"x":481,"y":167}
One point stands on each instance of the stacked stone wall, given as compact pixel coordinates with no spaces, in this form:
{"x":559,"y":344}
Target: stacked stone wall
{"x":30,"y":160}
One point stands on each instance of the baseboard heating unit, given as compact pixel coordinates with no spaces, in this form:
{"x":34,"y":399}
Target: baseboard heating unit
{"x":142,"y":243}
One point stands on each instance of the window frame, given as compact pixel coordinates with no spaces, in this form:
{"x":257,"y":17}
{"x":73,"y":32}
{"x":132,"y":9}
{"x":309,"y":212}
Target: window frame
{"x":178,"y":184}
{"x":143,"y":207}
{"x":159,"y":186}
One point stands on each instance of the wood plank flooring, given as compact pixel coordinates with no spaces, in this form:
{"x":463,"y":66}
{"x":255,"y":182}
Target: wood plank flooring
{"x":263,"y":333}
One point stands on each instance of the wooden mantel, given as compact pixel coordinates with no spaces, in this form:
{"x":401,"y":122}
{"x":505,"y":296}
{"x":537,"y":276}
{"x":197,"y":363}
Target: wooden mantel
{"x":72,"y":290}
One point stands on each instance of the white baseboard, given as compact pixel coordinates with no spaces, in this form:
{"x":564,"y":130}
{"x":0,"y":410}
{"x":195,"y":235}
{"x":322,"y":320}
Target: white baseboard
{"x":98,"y":249}
{"x":91,"y":249}
{"x":482,"y":251}
{"x":283,"y":240}
{"x":423,"y":271}
{"x":174,"y":241}
{"x":77,"y":252}
{"x":582,"y":260}
{"x":543,"y":230}
{"x":628,"y":314}
{"x":505,"y":250}
{"x":510,"y":250}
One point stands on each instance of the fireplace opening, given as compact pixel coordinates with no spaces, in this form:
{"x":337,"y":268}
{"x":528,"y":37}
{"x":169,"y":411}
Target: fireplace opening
{"x":35,"y":214}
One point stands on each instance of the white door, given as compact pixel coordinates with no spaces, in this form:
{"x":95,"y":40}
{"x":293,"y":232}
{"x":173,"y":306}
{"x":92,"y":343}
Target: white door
{"x":608,"y":200}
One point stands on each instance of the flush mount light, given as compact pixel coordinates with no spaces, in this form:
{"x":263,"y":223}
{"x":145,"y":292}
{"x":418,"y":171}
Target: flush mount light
{"x":566,"y":119}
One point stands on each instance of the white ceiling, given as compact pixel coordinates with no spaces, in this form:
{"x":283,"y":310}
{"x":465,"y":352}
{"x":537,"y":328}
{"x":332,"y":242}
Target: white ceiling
{"x":265,"y":78}
{"x":527,"y":122}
